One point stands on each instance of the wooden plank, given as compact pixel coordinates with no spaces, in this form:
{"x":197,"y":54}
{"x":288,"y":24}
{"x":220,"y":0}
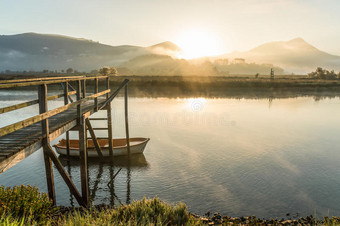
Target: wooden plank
{"x":16,"y":126}
{"x":66,"y":99}
{"x":65,"y":176}
{"x":100,"y":128}
{"x":97,"y":119}
{"x":7,"y":163}
{"x":37,"y":79}
{"x":30,"y":103}
{"x":22,"y":84}
{"x":115,"y":93}
{"x":42,"y":93}
{"x":94,"y":139}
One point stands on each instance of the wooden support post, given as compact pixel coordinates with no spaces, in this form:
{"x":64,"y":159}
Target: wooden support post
{"x":126,"y":120}
{"x":94,"y":138}
{"x":66,"y":99}
{"x":96,"y":91}
{"x":109,"y":119}
{"x":65,"y":176}
{"x":83,"y":84}
{"x":84,"y":88}
{"x":109,"y":128}
{"x":83,"y":161}
{"x":128,"y":183}
{"x":42,"y":92}
{"x":78,"y":98}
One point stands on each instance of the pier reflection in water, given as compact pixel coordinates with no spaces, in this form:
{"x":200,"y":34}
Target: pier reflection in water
{"x":102,"y":176}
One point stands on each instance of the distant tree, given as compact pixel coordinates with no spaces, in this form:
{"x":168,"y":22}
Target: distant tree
{"x":108,"y":71}
{"x":113,"y":71}
{"x":257,"y":75}
{"x":104,"y":71}
{"x":321,"y":73}
{"x":69,"y":70}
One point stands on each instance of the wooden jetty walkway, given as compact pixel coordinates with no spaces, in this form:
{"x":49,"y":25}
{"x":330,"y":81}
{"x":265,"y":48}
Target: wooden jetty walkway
{"x":20,"y":139}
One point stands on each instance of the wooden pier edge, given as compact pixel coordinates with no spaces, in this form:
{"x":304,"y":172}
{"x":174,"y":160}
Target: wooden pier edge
{"x":80,"y":122}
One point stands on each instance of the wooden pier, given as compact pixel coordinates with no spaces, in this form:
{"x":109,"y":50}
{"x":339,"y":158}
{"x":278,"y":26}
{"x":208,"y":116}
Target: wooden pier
{"x":20,"y":139}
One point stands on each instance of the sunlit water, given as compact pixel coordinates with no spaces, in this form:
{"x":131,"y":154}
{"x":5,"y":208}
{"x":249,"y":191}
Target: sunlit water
{"x":236,"y":157}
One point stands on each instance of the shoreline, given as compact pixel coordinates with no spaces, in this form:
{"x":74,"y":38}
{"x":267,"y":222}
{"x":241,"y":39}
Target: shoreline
{"x":218,"y":219}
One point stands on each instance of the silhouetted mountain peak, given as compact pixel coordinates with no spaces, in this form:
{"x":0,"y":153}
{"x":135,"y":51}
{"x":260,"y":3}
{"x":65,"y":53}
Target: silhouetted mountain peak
{"x":167,"y":46}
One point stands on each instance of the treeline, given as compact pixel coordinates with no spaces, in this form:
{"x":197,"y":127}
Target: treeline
{"x":165,"y":65}
{"x":321,"y":73}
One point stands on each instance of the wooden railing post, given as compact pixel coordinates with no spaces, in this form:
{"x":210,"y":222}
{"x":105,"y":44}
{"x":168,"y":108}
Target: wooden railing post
{"x":96,"y":91}
{"x":109,"y":119}
{"x":82,"y":147}
{"x":78,"y":88}
{"x":42,"y":93}
{"x":66,"y":99}
{"x":83,"y":161}
{"x":126,"y":120}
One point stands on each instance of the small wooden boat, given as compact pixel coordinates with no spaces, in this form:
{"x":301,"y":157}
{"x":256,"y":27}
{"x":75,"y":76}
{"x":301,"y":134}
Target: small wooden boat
{"x":137,"y":146}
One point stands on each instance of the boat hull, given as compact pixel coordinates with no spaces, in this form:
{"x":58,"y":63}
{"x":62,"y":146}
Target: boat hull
{"x":137,"y":146}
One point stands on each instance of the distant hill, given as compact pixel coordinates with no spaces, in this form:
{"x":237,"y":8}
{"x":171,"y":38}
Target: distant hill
{"x":31,"y":51}
{"x":295,"y":55}
{"x":154,"y":64}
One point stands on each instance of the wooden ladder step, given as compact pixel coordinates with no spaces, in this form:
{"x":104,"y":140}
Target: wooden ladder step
{"x":99,"y":129}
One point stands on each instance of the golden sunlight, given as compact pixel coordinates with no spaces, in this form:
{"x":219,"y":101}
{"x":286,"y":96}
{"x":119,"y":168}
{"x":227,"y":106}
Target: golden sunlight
{"x":196,"y":104}
{"x":198,"y":43}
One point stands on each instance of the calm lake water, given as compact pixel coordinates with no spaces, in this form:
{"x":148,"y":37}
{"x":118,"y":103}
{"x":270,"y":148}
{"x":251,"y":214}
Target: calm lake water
{"x":235,"y":157}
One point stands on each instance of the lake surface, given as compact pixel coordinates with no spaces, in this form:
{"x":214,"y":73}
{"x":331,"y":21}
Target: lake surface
{"x":233,"y":156}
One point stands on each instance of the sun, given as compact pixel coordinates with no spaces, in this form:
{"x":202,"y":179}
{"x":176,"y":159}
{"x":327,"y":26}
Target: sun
{"x":198,"y":43}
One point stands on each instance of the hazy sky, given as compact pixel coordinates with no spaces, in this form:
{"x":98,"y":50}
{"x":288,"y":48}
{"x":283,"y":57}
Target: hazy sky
{"x":233,"y":24}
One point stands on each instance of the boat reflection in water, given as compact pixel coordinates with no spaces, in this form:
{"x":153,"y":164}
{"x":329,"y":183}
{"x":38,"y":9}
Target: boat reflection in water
{"x":102,"y":176}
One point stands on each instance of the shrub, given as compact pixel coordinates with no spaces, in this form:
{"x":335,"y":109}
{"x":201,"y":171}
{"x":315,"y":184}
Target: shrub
{"x":320,"y":73}
{"x":25,"y":202}
{"x":144,"y":212}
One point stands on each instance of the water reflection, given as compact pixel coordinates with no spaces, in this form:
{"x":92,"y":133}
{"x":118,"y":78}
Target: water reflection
{"x":97,"y":170}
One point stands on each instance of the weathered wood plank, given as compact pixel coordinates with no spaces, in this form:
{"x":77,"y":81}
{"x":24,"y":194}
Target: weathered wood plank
{"x":94,"y":138}
{"x":38,"y":79}
{"x":65,"y":176}
{"x":16,"y":126}
{"x":83,"y":161}
{"x":30,"y":103}
{"x":22,"y":84}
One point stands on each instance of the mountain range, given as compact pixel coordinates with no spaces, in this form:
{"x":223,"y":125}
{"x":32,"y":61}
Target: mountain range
{"x":32,"y":51}
{"x":295,"y":55}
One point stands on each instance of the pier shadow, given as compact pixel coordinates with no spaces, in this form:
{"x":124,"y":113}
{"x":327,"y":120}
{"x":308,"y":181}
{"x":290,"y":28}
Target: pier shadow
{"x":103,"y":174}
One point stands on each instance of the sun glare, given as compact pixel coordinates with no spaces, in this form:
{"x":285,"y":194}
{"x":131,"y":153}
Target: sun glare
{"x":198,"y":43}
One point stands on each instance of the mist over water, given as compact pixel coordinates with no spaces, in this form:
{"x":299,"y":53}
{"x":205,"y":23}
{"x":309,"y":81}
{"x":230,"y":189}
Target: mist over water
{"x":234,"y":156}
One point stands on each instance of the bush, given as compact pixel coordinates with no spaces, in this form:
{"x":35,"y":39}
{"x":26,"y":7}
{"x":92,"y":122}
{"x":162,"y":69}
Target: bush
{"x":25,"y":202}
{"x":144,"y":212}
{"x":320,"y":73}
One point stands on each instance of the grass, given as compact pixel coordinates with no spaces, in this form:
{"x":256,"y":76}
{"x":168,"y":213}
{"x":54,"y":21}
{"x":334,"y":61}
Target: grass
{"x":25,"y":205}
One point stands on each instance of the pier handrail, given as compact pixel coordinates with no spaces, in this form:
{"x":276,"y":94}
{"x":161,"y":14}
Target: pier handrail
{"x":24,"y":123}
{"x":115,"y":93}
{"x":38,"y":79}
{"x":41,"y":81}
{"x":7,"y":84}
